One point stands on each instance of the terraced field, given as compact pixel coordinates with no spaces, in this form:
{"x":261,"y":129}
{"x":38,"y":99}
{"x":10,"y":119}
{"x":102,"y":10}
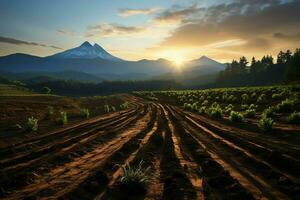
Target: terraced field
{"x":190,"y":157}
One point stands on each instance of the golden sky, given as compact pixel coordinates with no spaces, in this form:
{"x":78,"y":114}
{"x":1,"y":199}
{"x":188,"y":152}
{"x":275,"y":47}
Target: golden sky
{"x":177,"y":30}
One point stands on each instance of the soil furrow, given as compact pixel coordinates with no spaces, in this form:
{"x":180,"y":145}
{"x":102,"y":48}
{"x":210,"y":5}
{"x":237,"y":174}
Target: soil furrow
{"x":76,"y":171}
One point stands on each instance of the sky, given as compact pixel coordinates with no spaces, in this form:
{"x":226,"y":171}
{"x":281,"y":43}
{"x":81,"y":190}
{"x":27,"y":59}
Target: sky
{"x":142,"y":29}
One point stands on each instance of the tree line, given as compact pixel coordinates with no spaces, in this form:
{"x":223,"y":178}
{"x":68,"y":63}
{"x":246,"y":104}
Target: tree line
{"x":261,"y":72}
{"x":77,"y":88}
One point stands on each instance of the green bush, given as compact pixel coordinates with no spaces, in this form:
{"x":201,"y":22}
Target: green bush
{"x":216,"y":112}
{"x":63,"y":119}
{"x":244,"y":107}
{"x":236,"y":116}
{"x":285,"y":106}
{"x":252,"y":106}
{"x":228,"y":108}
{"x":294,"y":118}
{"x":205,"y":103}
{"x":276,"y":96}
{"x":262,"y":98}
{"x":250,"y":113}
{"x":269,"y":112}
{"x":32,"y":124}
{"x":266,"y":123}
{"x":85,"y":113}
{"x":245,"y":97}
{"x":202,"y":110}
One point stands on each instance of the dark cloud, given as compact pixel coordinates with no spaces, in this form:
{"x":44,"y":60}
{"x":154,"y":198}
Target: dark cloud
{"x":110,"y":29}
{"x":291,"y":37}
{"x":253,"y":21}
{"x":177,"y":13}
{"x":125,"y":12}
{"x":22,"y":42}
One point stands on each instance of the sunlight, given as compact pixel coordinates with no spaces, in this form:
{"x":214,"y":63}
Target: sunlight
{"x":178,"y":62}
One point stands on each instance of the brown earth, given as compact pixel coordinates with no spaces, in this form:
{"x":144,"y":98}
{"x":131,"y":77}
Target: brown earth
{"x":191,"y":157}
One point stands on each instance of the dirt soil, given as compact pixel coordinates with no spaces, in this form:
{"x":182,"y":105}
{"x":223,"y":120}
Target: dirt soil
{"x":190,"y":157}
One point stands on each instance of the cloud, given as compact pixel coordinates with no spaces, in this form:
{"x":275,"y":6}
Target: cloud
{"x":177,"y":14}
{"x":106,"y":29}
{"x":22,"y":42}
{"x":291,"y":37}
{"x":66,"y":32}
{"x":251,"y":21}
{"x":125,"y":12}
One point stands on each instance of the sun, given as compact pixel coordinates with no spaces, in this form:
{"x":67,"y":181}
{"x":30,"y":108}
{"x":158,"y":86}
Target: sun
{"x":178,"y":61}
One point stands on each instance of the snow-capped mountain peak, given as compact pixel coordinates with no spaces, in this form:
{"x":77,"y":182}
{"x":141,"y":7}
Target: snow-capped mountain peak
{"x":86,"y":51}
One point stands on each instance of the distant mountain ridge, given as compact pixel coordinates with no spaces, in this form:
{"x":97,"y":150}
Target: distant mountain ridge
{"x":95,"y":61}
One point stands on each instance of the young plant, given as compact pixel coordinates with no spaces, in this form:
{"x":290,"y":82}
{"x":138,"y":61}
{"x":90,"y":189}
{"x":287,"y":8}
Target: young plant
{"x":236,"y":116}
{"x":266,"y":123}
{"x":216,"y":112}
{"x":229,"y":108}
{"x":285,"y":106}
{"x":85,"y":113}
{"x":32,"y":124}
{"x":113,"y":108}
{"x":202,"y":110}
{"x":133,"y":175}
{"x":294,"y":118}
{"x":63,"y":119}
{"x":106,"y":108}
{"x":124,"y":105}
{"x":50,"y":111}
{"x":245,"y":98}
{"x":250,"y":113}
{"x":262,"y":98}
{"x":269,"y":112}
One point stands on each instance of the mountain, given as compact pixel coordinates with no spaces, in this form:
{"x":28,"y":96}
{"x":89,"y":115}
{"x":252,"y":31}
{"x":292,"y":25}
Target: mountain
{"x":86,"y":51}
{"x":206,"y":65}
{"x":92,"y":62}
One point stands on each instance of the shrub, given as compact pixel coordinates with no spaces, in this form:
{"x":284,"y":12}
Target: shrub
{"x":46,"y":90}
{"x":285,"y":106}
{"x":245,"y":97}
{"x":294,"y":118}
{"x":85,"y":113}
{"x":202,"y":110}
{"x":252,"y":106}
{"x":244,"y":107}
{"x":132,"y":175}
{"x":194,"y":106}
{"x":32,"y":124}
{"x":262,"y":98}
{"x":63,"y":119}
{"x":229,"y":108}
{"x":124,"y":105}
{"x":276,"y":96}
{"x":250,"y":113}
{"x":266,"y":123}
{"x":253,"y":95}
{"x":205,"y":103}
{"x":269,"y":112}
{"x":216,"y":112}
{"x":236,"y":117}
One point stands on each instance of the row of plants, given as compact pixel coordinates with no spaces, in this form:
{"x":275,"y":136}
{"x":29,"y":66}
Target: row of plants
{"x":33,"y":123}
